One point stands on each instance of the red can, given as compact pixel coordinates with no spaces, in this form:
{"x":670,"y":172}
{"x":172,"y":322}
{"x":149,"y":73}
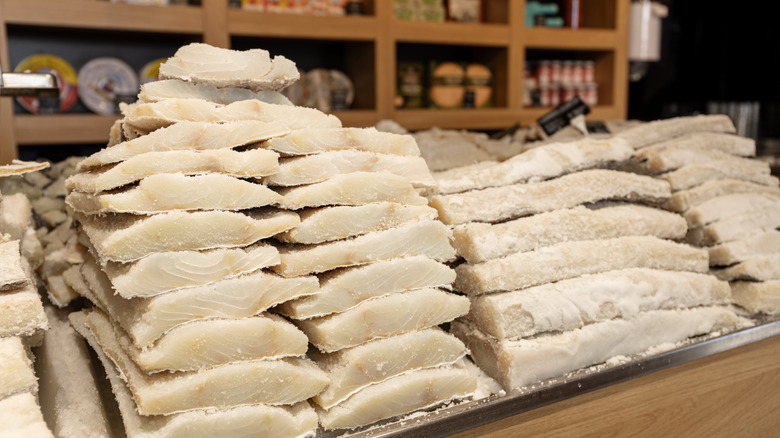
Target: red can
{"x":567,"y":72}
{"x":589,"y":72}
{"x":555,"y":72}
{"x":543,"y":73}
{"x":568,"y":92}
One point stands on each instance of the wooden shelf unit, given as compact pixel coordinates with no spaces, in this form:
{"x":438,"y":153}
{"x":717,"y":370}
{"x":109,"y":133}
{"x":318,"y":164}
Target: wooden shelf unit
{"x":373,"y":39}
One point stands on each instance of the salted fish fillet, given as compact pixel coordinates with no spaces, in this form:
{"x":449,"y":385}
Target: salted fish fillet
{"x":478,"y":242}
{"x":193,"y":136}
{"x":684,"y":200}
{"x":12,"y":276}
{"x":326,"y":224}
{"x":399,"y":395}
{"x":537,"y":164}
{"x":693,"y":175}
{"x":343,"y":289}
{"x":147,"y":117}
{"x":274,"y":382}
{"x":16,"y":372}
{"x":664,"y":160}
{"x":22,"y":312}
{"x":175,"y":191}
{"x":573,"y":303}
{"x":703,"y":141}
{"x":512,"y":201}
{"x":429,"y":238}
{"x":252,"y":163}
{"x":352,"y":369}
{"x":309,"y":169}
{"x":736,"y":226}
{"x":727,"y":205}
{"x":307,"y":141}
{"x":518,"y":363}
{"x":167,"y":271}
{"x":384,"y":316}
{"x":757,"y":297}
{"x":298,"y":420}
{"x":740,"y":250}
{"x":760,"y":268}
{"x":572,"y":259}
{"x":20,"y":416}
{"x":657,"y":131}
{"x":146,"y":319}
{"x":19,"y":167}
{"x":252,"y":69}
{"x":125,"y":237}
{"x":355,"y":188}
{"x":174,"y":89}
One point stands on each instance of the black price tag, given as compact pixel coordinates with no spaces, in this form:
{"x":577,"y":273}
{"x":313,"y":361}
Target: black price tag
{"x":561,"y":115}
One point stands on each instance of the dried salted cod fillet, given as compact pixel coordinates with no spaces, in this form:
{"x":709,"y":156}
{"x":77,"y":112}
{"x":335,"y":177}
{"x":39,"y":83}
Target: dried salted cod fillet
{"x":352,"y":369}
{"x":572,"y":259}
{"x":174,"y":191}
{"x":16,"y":368}
{"x":683,"y":200}
{"x":15,"y":215}
{"x":736,"y":226}
{"x":671,"y":159}
{"x":246,"y":164}
{"x":325,"y":224}
{"x":746,"y":248}
{"x":760,"y":268}
{"x":507,"y":202}
{"x":124,"y":237}
{"x":478,"y":242}
{"x":428,"y":238}
{"x":657,"y":131}
{"x":448,"y":148}
{"x":312,"y":141}
{"x":147,"y":319}
{"x":147,"y":117}
{"x":401,"y":394}
{"x":274,"y":382}
{"x":18,"y":167}
{"x":703,"y":141}
{"x":309,"y":169}
{"x":12,"y":276}
{"x":523,"y":362}
{"x":343,"y":289}
{"x":20,"y":416}
{"x":544,"y":162}
{"x":382,"y":317}
{"x":167,"y":271}
{"x":355,"y":188}
{"x":173,"y":89}
{"x":22,"y":312}
{"x":693,"y":175}
{"x":575,"y":302}
{"x":724,"y":206}
{"x":757,"y":297}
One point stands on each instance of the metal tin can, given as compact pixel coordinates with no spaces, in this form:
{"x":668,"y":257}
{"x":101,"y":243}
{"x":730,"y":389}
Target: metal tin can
{"x":543,"y":73}
{"x":567,"y":72}
{"x":589,"y":72}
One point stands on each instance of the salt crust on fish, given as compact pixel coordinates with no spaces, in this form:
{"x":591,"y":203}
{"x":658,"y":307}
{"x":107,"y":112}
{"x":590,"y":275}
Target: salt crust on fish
{"x":343,"y":289}
{"x":693,"y":175}
{"x":174,"y":191}
{"x":683,"y":200}
{"x":736,"y":226}
{"x":407,"y":392}
{"x":18,"y":167}
{"x":175,"y":89}
{"x":669,"y":159}
{"x":478,"y":242}
{"x":523,"y":362}
{"x":125,"y":237}
{"x":15,"y":215}
{"x":572,"y":259}
{"x":760,"y":268}
{"x":16,"y":371}
{"x":646,"y":134}
{"x":384,"y":316}
{"x":298,"y":420}
{"x":703,"y":141}
{"x":309,"y":169}
{"x":326,"y":224}
{"x":12,"y":276}
{"x":757,"y":297}
{"x":20,"y":416}
{"x":746,"y":248}
{"x":575,"y":302}
{"x":537,"y":164}
{"x":508,"y":202}
{"x":352,"y":369}
{"x":427,"y":237}
{"x":252,"y":163}
{"x":307,"y":141}
{"x":355,"y":188}
{"x":192,"y":136}
{"x":724,"y":206}
{"x":22,"y":312}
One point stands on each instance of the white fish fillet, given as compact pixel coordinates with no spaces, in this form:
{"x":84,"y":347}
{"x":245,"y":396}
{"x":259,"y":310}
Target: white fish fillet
{"x":355,"y":188}
{"x":572,"y":259}
{"x":175,"y":89}
{"x":18,"y":167}
{"x":307,"y":141}
{"x":760,"y":268}
{"x":384,"y":316}
{"x":275,"y":382}
{"x":763,"y":297}
{"x":20,"y":416}
{"x":252,"y":69}
{"x":657,"y":131}
{"x":683,"y":200}
{"x":166,"y":271}
{"x":246,"y":164}
{"x":588,"y":186}
{"x":352,"y":369}
{"x":309,"y":169}
{"x":400,"y":395}
{"x":175,"y":191}
{"x":15,"y":215}
{"x":325,"y":224}
{"x":673,"y":158}
{"x":194,"y":136}
{"x":12,"y":276}
{"x":703,"y":141}
{"x":478,"y":242}
{"x":540,"y":163}
{"x":22,"y":312}
{"x":447,"y":148}
{"x":16,"y":371}
{"x":575,"y":302}
{"x":343,"y":289}
{"x":754,"y":245}
{"x":125,"y":237}
{"x":428,"y":238}
{"x":724,"y":206}
{"x":523,"y":362}
{"x":736,"y":226}
{"x":693,"y":175}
